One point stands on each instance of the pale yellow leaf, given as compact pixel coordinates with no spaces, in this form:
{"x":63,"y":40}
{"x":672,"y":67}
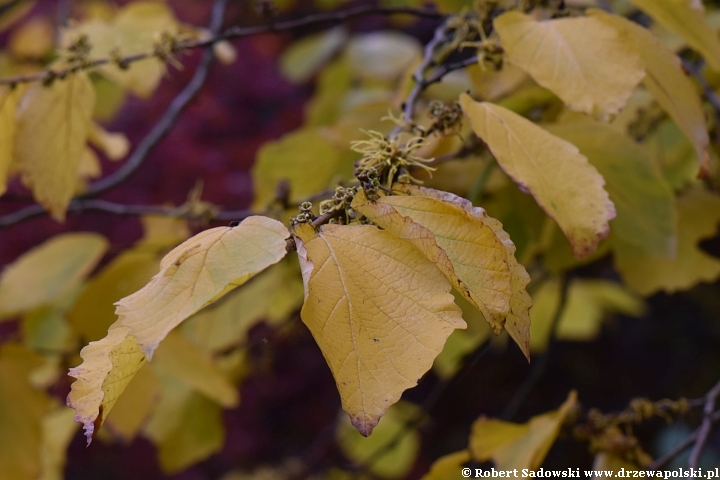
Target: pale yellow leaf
{"x":669,"y":84}
{"x":49,"y":272}
{"x":564,"y":184}
{"x":8,"y":104}
{"x":58,"y":429}
{"x":53,"y":123}
{"x":135,"y":29}
{"x":512,"y":445}
{"x":448,"y":467}
{"x":304,"y":158}
{"x":491,"y":85}
{"x":21,"y":413}
{"x":643,"y":199}
{"x":272,"y":295}
{"x":33,"y":39}
{"x":89,"y":168}
{"x":114,"y":145}
{"x":680,"y":17}
{"x":183,"y":359}
{"x":108,"y":366}
{"x":198,"y":272}
{"x":133,"y":408}
{"x":398,"y":457}
{"x":379,"y":310}
{"x":305,"y":56}
{"x":582,"y":60}
{"x":45,"y":329}
{"x":698,"y":218}
{"x":383,"y":55}
{"x":466,"y":250}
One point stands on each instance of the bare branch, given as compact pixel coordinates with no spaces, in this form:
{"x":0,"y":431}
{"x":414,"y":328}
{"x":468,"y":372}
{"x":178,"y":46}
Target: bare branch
{"x":704,"y":431}
{"x":230,"y":34}
{"x":681,"y":447}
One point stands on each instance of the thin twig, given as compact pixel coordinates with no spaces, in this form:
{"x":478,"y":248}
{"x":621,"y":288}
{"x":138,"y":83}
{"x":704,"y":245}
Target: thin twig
{"x":705,"y":427}
{"x":538,"y":369}
{"x":158,"y":131}
{"x":230,"y":34}
{"x":681,"y":447}
{"x":439,"y":37}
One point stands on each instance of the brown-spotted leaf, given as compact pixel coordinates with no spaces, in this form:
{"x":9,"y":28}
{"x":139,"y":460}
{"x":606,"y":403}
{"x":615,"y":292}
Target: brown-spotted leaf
{"x":669,"y":84}
{"x":582,"y":60}
{"x":564,"y":184}
{"x":379,"y":310}
{"x":53,"y":123}
{"x":199,"y":271}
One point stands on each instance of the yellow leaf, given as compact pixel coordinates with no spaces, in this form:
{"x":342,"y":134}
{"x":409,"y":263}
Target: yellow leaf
{"x":305,"y":56}
{"x":45,"y":329}
{"x":457,"y":241}
{"x":588,"y":302}
{"x":564,"y":184}
{"x":186,"y":427}
{"x":582,"y":60}
{"x":379,"y":310}
{"x":114,"y":145}
{"x":49,"y":272}
{"x":680,"y":17}
{"x":304,"y":158}
{"x":698,"y":217}
{"x":447,"y":467}
{"x":58,"y":429}
{"x":667,"y":81}
{"x":186,"y":361}
{"x":492,"y":85}
{"x":198,"y":272}
{"x":21,"y":412}
{"x":512,"y":445}
{"x":398,"y":457}
{"x":132,"y":409}
{"x":53,"y":123}
{"x":90,"y":168}
{"x":8,"y":104}
{"x":134,"y":30}
{"x":644,"y":201}
{"x":271,"y":295}
{"x":108,"y":366}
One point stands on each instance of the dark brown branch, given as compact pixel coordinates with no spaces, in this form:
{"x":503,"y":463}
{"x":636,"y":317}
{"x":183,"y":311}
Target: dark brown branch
{"x":230,"y":34}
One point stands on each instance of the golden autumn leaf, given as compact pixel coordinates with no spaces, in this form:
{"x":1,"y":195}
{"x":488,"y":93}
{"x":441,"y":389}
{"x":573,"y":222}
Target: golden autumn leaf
{"x":135,"y":29}
{"x":114,"y":145}
{"x":511,"y":445}
{"x":53,"y":123}
{"x":379,"y":310}
{"x":470,"y":248}
{"x":698,"y":218}
{"x":582,"y":60}
{"x":108,"y":366}
{"x":49,"y":272}
{"x":198,"y":272}
{"x":304,"y":57}
{"x":8,"y":104}
{"x":466,"y":250}
{"x":681,"y":17}
{"x":133,"y":407}
{"x":564,"y":184}
{"x":669,"y":84}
